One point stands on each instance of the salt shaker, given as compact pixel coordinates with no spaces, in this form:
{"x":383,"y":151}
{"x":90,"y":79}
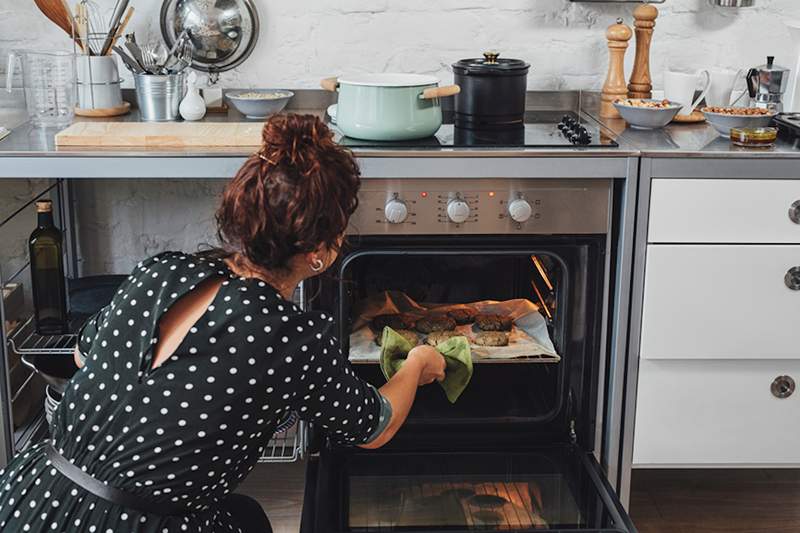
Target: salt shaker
{"x":192,"y":107}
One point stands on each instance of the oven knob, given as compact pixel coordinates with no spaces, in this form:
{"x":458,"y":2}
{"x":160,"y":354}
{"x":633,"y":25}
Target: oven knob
{"x":458,"y":211}
{"x":395,"y":211}
{"x":520,"y":210}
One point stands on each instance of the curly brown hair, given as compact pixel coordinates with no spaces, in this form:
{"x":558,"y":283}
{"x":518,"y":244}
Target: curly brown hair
{"x":293,"y":195}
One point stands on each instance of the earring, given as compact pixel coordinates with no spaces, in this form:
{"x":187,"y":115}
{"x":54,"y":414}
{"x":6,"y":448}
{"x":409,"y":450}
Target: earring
{"x":317,"y":265}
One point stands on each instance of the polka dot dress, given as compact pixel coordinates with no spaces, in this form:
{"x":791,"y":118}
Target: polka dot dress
{"x":189,"y":431}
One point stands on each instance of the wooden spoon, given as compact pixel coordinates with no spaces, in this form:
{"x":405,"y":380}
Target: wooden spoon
{"x":60,"y":14}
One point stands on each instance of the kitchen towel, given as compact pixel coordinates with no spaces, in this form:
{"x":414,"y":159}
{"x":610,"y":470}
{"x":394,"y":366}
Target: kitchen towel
{"x":456,"y":352}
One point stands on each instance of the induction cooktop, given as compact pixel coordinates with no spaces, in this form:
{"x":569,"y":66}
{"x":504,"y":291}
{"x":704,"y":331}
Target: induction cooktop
{"x":542,"y":129}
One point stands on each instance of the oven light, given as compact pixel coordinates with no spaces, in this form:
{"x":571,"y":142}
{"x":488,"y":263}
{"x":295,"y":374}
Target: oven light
{"x":491,"y":194}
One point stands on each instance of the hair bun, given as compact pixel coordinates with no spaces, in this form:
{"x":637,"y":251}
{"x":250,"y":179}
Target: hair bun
{"x":295,"y":140}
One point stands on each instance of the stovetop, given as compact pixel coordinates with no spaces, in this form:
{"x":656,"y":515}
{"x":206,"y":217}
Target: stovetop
{"x":542,"y":129}
{"x":788,"y":126}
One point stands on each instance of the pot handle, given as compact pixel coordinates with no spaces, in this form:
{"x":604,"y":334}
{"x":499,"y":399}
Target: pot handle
{"x":330,"y":84}
{"x":440,"y":92}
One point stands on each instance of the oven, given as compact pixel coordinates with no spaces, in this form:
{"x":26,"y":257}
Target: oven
{"x":515,"y":452}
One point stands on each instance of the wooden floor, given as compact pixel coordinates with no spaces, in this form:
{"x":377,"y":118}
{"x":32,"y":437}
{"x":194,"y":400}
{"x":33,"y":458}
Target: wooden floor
{"x":730,"y":501}
{"x":279,"y":489}
{"x":662,"y":501}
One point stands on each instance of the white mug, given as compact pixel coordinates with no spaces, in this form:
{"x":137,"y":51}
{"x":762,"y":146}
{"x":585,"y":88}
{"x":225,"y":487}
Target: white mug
{"x":679,"y":87}
{"x":722,"y":83}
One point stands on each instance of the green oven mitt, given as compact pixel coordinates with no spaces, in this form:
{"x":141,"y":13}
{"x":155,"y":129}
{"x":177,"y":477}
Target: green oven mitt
{"x":457,"y":356}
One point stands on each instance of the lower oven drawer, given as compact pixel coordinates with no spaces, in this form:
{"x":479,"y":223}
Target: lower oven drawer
{"x":555,"y":488}
{"x":706,"y":413}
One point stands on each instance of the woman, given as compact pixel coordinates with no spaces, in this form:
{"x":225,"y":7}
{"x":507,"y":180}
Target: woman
{"x":186,"y":373}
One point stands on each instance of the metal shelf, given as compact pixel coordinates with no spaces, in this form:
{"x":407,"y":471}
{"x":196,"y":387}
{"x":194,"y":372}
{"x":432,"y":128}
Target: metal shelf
{"x":25,"y":340}
{"x":286,"y":447}
{"x":30,"y":433}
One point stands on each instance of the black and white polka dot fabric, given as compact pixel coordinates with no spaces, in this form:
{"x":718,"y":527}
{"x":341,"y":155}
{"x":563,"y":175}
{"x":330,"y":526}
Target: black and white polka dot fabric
{"x":190,"y":430}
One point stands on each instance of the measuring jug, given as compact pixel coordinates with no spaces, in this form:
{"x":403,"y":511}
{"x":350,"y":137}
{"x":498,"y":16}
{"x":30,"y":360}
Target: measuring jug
{"x":49,"y":82}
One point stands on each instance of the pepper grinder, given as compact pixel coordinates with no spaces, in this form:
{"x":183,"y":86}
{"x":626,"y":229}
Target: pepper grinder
{"x":641,"y":84}
{"x":614,"y":88}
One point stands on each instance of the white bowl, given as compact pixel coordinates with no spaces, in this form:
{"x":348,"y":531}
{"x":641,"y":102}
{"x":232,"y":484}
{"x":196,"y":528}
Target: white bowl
{"x":648,"y":118}
{"x":724,"y":123}
{"x":260,"y":108}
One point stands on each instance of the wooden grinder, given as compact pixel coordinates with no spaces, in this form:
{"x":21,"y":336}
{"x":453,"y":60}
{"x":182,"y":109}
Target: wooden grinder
{"x":614,"y":88}
{"x":641,"y":84}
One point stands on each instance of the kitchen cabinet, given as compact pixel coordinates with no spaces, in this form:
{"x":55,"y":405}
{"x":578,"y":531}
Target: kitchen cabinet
{"x":718,"y":343}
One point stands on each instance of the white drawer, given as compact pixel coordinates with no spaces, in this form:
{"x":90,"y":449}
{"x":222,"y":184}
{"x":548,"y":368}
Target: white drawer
{"x":715,"y":413}
{"x":720,"y":302}
{"x":723,"y":211}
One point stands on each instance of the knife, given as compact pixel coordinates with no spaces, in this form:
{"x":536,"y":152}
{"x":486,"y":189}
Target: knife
{"x":129,"y":61}
{"x":119,"y":10}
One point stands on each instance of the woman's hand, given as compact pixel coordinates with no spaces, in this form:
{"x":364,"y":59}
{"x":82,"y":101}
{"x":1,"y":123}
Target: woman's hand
{"x":431,"y":361}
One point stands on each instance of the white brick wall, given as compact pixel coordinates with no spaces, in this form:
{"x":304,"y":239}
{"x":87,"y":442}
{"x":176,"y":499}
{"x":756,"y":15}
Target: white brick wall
{"x":303,"y":41}
{"x":306,"y":40}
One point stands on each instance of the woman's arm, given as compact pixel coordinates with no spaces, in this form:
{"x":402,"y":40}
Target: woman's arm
{"x":422,"y":366}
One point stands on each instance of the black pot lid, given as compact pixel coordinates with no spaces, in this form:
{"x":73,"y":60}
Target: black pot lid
{"x":491,"y":64}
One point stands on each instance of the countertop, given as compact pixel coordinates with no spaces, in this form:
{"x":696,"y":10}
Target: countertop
{"x":675,"y":140}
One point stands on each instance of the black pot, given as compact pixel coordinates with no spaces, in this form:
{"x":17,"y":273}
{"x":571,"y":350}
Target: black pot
{"x":492,"y":92}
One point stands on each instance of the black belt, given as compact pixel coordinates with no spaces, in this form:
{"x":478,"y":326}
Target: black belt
{"x":109,"y":493}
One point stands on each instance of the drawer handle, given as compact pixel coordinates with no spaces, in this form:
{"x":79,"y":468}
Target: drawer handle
{"x":792,"y":278}
{"x":794,"y":212}
{"x":782,"y":387}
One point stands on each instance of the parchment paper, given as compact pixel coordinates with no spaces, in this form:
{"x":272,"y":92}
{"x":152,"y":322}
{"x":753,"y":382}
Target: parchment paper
{"x":529,"y":337}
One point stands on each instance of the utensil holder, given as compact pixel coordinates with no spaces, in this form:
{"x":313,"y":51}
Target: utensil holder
{"x":99,"y":84}
{"x":159,"y":96}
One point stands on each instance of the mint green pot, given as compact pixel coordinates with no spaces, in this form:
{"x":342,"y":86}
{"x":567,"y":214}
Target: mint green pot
{"x":388,"y":107}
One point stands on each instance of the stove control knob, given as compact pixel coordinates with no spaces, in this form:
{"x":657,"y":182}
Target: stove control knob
{"x":520,"y":210}
{"x":458,"y":211}
{"x":395,"y":211}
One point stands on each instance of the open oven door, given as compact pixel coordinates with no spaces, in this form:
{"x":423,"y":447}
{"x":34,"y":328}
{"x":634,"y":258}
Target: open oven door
{"x":550,"y":488}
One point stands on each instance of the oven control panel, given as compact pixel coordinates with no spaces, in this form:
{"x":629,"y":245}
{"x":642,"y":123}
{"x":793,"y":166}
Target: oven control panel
{"x":482,"y":206}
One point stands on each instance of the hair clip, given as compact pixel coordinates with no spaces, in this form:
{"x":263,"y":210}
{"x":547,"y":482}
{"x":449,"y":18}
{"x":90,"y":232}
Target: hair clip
{"x":265,"y":158}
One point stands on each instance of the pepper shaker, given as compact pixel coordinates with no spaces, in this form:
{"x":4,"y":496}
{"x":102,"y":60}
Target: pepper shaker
{"x":641,"y":84}
{"x":615,"y":88}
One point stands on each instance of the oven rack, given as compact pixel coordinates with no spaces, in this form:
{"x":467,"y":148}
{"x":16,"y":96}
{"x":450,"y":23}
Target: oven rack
{"x":25,"y":340}
{"x":286,"y":447}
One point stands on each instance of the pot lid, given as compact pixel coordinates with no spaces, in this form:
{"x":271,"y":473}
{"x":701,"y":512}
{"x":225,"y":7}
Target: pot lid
{"x":491,"y":64}
{"x":770,"y":66}
{"x":389,"y":80}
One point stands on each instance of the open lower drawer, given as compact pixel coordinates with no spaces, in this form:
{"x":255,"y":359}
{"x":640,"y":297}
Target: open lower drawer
{"x":554,"y":488}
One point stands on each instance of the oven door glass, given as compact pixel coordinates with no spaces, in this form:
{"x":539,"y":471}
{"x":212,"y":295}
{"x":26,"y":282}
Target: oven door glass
{"x":556,"y":488}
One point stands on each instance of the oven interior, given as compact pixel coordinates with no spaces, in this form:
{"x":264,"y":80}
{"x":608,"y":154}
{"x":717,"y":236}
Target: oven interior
{"x":550,"y":399}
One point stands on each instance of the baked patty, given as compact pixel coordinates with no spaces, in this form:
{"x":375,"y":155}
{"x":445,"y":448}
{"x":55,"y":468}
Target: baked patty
{"x":488,"y":322}
{"x":435,"y":322}
{"x":437,"y":337}
{"x":407,"y":334}
{"x":491,"y":338}
{"x":394,"y":321}
{"x":463,"y":315}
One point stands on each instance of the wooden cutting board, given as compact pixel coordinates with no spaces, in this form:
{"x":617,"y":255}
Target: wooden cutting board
{"x":161,"y":135}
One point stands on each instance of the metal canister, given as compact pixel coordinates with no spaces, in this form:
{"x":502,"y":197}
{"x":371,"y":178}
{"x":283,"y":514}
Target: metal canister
{"x":159,"y":96}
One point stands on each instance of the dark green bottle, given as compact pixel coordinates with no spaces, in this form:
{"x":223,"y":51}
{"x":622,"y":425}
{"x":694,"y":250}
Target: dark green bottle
{"x":47,"y":274}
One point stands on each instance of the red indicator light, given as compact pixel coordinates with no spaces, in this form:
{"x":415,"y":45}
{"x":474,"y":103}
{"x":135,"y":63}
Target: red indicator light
{"x":491,"y":194}
{"x":423,"y":194}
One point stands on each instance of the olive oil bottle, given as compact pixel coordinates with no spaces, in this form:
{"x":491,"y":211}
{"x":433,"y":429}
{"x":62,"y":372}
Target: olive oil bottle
{"x":47,"y":273}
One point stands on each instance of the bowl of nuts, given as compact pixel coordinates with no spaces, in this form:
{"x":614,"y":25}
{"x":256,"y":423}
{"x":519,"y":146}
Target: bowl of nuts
{"x":259,"y":103}
{"x":647,"y":114}
{"x":726,"y":118}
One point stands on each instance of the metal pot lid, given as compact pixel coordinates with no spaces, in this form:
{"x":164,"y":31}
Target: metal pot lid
{"x":491,"y":64}
{"x":387,"y":79}
{"x":223,"y":32}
